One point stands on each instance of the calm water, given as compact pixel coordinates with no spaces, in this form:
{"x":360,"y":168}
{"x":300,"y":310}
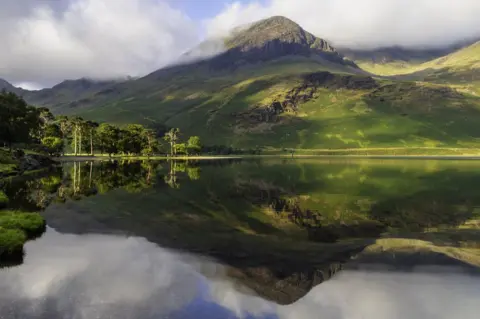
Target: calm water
{"x":249,"y":239}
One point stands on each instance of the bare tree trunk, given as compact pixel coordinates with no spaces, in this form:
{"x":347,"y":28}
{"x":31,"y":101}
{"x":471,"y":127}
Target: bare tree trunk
{"x":79,"y":174}
{"x":74,"y":177}
{"x":75,"y":139}
{"x":80,"y":142}
{"x":90,"y":176}
{"x":91,"y":142}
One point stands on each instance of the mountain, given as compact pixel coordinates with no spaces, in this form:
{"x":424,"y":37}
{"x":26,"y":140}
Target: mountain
{"x":67,"y":93}
{"x":460,"y":68}
{"x":276,"y":37}
{"x":397,"y":60}
{"x":273,"y":84}
{"x":395,"y":54}
{"x":4,"y":85}
{"x":398,"y":54}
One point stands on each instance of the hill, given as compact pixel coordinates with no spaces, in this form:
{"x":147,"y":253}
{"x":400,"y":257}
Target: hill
{"x":460,"y":68}
{"x":395,"y":54}
{"x":276,"y":85}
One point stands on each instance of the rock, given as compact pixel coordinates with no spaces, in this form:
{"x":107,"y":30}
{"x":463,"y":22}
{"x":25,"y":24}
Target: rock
{"x":30,"y":162}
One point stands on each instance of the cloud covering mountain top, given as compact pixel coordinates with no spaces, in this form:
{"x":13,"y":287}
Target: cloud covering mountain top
{"x":48,"y":41}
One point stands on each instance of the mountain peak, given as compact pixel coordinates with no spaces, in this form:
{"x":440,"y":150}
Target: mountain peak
{"x":274,"y":38}
{"x":277,"y":28}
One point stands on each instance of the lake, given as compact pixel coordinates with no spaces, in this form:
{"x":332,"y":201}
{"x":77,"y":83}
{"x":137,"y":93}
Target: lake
{"x":273,"y":238}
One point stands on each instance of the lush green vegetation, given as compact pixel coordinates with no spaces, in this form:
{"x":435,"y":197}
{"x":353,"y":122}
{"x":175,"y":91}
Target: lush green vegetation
{"x":11,"y":242}
{"x":38,"y":128}
{"x":16,"y":227}
{"x":396,"y":114}
{"x":31,"y":223}
{"x":3,"y":200}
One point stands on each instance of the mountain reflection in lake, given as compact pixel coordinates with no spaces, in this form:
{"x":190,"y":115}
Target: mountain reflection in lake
{"x":105,"y":276}
{"x":245,"y":239}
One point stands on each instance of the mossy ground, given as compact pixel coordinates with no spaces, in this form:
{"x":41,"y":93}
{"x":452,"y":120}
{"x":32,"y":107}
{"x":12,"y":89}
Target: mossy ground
{"x":16,"y":227}
{"x":31,"y":223}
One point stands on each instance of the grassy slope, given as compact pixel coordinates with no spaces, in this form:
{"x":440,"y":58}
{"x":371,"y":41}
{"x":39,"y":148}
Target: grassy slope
{"x":400,"y":115}
{"x":460,"y":68}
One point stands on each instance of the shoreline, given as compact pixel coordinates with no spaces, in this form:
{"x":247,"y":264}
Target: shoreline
{"x":67,"y":158}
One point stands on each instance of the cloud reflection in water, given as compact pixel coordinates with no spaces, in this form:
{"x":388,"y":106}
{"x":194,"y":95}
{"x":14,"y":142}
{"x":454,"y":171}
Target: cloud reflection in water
{"x":103,"y":276}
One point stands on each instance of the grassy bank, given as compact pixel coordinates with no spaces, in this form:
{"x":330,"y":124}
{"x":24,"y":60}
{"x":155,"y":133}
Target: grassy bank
{"x":16,"y":228}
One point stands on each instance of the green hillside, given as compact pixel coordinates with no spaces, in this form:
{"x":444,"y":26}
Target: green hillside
{"x":460,"y":68}
{"x":278,"y":86}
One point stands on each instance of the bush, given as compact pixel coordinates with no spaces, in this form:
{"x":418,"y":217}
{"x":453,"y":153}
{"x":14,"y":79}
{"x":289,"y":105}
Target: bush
{"x":32,"y":224}
{"x":53,"y":145}
{"x":3,"y":200}
{"x":11,"y":241}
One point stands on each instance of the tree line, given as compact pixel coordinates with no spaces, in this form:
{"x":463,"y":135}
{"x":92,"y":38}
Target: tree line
{"x":24,"y":124}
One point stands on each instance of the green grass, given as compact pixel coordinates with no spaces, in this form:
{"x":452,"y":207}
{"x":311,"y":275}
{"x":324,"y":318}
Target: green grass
{"x":15,"y":229}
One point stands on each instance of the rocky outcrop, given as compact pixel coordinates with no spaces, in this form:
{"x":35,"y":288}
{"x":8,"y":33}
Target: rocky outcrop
{"x":306,"y":91}
{"x":30,"y":162}
{"x":283,"y":289}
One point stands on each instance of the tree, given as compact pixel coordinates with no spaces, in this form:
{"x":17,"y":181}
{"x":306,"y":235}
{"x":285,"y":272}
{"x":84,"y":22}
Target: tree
{"x":91,"y":129}
{"x":172,"y":137}
{"x":65,"y":127}
{"x":53,"y":130}
{"x":193,"y":145}
{"x":152,"y":145}
{"x":133,"y":139}
{"x":18,"y":120}
{"x":78,"y":127}
{"x":53,"y":145}
{"x":108,"y":137}
{"x":180,"y":148}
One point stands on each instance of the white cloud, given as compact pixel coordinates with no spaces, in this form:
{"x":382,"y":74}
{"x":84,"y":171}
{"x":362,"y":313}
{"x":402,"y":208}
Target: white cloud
{"x":441,"y":293}
{"x":103,"y":276}
{"x":44,"y":42}
{"x":365,"y":23}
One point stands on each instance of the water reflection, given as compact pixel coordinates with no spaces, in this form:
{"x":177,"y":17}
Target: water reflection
{"x":99,"y":276}
{"x":105,"y":276}
{"x":278,"y":228}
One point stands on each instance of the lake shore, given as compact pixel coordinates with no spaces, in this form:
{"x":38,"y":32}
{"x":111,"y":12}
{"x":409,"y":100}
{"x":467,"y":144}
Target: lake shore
{"x":68,"y":158}
{"x":365,"y":153}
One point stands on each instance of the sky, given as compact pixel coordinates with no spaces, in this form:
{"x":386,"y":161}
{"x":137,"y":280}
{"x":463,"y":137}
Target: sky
{"x":47,"y":41}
